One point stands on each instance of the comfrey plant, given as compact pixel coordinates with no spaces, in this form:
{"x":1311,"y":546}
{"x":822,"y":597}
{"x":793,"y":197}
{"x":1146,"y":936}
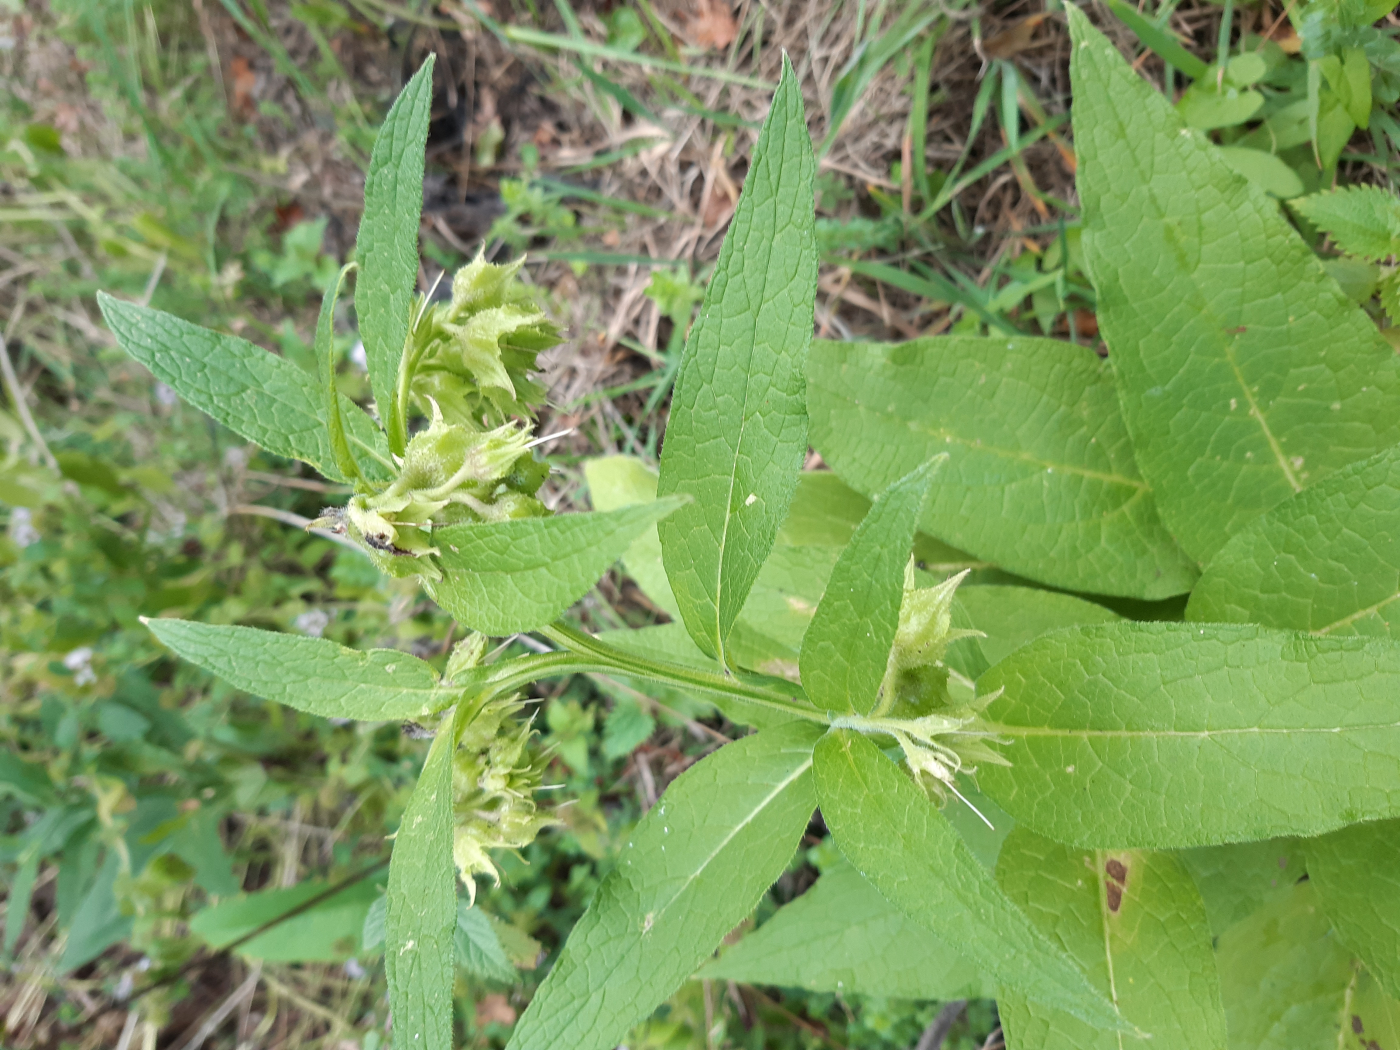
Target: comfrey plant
{"x":1149,"y":765}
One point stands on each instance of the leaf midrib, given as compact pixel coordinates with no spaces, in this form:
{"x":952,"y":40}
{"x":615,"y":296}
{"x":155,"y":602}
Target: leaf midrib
{"x":1158,"y":734}
{"x":1124,"y":134}
{"x":1359,"y":614}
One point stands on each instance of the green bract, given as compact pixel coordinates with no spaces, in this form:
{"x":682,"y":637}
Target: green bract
{"x":1145,"y":775}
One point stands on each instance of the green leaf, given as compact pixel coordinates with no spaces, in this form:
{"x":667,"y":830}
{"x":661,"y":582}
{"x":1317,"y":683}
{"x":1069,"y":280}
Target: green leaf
{"x":387,"y":245}
{"x":1237,"y":879}
{"x":694,"y":867}
{"x":478,"y":947}
{"x":846,"y":650}
{"x":1263,"y":169}
{"x":842,"y":937}
{"x":328,"y":931}
{"x":1205,"y":106}
{"x":314,"y":675}
{"x":738,"y":427}
{"x":615,"y":482}
{"x":887,"y":828}
{"x":1244,"y":372}
{"x":1011,"y":617}
{"x":1356,"y":873}
{"x":422,"y":904}
{"x":1361,"y":220}
{"x":1288,"y":983}
{"x":1134,"y":922}
{"x":1326,"y":561}
{"x":260,"y":396}
{"x":325,"y":356}
{"x":1041,"y":478}
{"x":509,"y":576}
{"x":1171,"y":735}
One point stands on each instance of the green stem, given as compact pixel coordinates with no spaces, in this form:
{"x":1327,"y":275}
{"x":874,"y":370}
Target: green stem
{"x":595,"y":655}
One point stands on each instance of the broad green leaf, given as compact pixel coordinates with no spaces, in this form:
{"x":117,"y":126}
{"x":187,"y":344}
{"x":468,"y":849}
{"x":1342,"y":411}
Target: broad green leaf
{"x":1326,"y":561}
{"x":1238,"y":879}
{"x":1205,"y":106}
{"x":421,"y":918}
{"x":842,"y":937}
{"x":692,"y":870}
{"x":1134,"y":922}
{"x":314,"y":675}
{"x":1361,"y":220}
{"x":886,"y":826}
{"x":258,"y":395}
{"x":387,"y":245}
{"x":1356,"y":873}
{"x":1170,"y":735}
{"x":846,"y":650}
{"x":1289,"y":984}
{"x":738,"y":428}
{"x":615,"y":482}
{"x":328,"y":931}
{"x":478,"y":946}
{"x":1245,"y":374}
{"x":1041,"y":478}
{"x":1011,"y":617}
{"x":1265,"y":170}
{"x":509,"y":576}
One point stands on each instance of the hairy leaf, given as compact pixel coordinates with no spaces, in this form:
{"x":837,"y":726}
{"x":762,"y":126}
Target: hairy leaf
{"x":1356,"y":873}
{"x":1011,"y":617}
{"x":842,"y":937}
{"x":1326,"y":560}
{"x":1041,"y":478}
{"x":694,"y":867}
{"x":1288,"y":983}
{"x":1171,"y":735}
{"x":260,"y":396}
{"x":314,"y":675}
{"x":738,"y":427}
{"x":886,"y":826}
{"x":509,"y":576}
{"x":1244,"y":372}
{"x":422,"y":906}
{"x":1361,"y":220}
{"x":1134,"y":922}
{"x":846,"y":650}
{"x":478,"y":946}
{"x":387,"y":244}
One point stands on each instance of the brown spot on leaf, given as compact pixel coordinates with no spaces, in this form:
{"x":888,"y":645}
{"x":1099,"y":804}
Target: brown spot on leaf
{"x":1117,"y":871}
{"x":1356,"y":1024}
{"x":1115,"y":897}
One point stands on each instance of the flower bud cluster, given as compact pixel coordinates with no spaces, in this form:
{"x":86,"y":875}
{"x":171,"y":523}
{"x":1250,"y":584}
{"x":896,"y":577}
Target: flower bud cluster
{"x":496,"y":770}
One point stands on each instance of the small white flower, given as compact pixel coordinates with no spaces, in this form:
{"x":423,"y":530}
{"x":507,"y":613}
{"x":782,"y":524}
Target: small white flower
{"x":313,"y":622}
{"x":166,"y":395}
{"x":22,"y":530}
{"x":79,"y":661}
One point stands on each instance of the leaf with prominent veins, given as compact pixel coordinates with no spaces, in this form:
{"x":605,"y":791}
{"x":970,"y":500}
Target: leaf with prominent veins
{"x":1172,"y":735}
{"x":1245,"y":373}
{"x":696,"y":865}
{"x":737,"y":432}
{"x":1134,"y":922}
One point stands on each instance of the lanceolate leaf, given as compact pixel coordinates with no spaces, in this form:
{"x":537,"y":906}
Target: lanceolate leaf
{"x":887,"y":828}
{"x":1133,"y":920}
{"x":1170,"y":735}
{"x":842,"y":937}
{"x":1327,"y":560}
{"x":310,"y":674}
{"x":695,"y":866}
{"x":1356,"y":873}
{"x":846,"y":650}
{"x":1041,"y":478}
{"x":738,"y":427}
{"x":260,"y":396}
{"x":422,"y":906}
{"x":509,"y":576}
{"x":1288,"y":983}
{"x":387,"y":244}
{"x":1245,"y":373}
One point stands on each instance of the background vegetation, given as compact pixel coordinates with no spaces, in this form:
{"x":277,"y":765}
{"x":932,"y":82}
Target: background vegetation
{"x":207,"y":158}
